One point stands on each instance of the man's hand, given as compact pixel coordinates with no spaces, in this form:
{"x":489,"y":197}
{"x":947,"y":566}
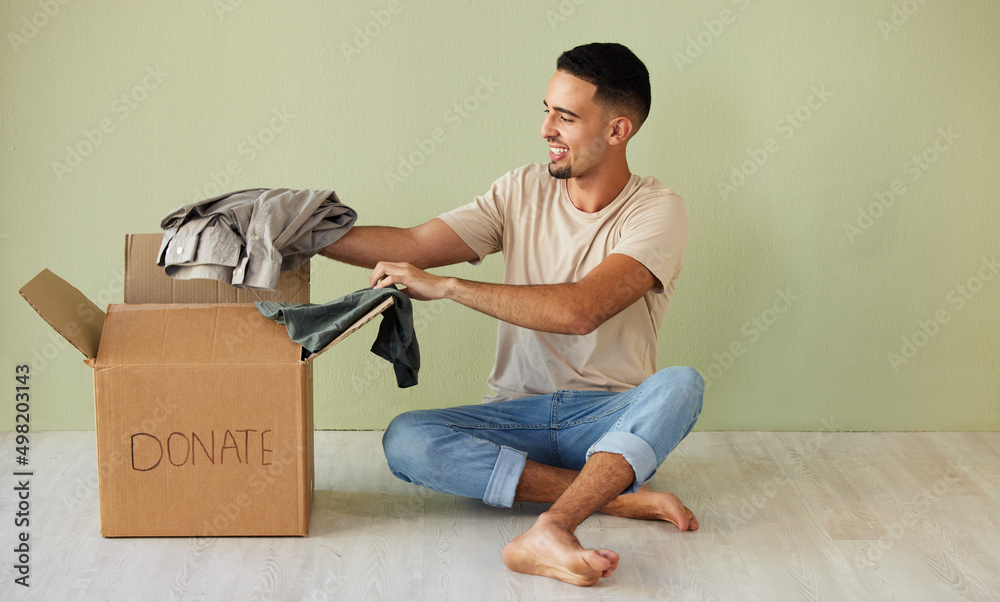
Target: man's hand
{"x":420,"y":285}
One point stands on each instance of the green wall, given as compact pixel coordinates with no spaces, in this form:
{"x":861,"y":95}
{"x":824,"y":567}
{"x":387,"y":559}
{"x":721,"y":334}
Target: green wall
{"x":846,"y":279}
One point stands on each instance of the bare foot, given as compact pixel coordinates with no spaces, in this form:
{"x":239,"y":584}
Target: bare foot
{"x":652,"y":505}
{"x":551,"y":551}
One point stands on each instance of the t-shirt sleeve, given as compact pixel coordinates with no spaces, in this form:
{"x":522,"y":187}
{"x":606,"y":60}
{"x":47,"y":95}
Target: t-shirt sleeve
{"x":480,"y":223}
{"x":655,"y":234}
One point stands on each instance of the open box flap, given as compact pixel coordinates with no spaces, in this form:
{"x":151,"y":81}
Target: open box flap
{"x":67,"y":310}
{"x":378,"y":309}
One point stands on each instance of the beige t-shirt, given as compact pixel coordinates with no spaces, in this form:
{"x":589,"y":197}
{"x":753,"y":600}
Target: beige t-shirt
{"x":527,"y":214}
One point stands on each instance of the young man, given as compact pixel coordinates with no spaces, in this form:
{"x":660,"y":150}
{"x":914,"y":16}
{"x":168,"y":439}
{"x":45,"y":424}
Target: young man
{"x":581,"y":418}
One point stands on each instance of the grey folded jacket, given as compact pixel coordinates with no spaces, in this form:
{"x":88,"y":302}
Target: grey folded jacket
{"x":246,"y":238}
{"x":316,"y":326}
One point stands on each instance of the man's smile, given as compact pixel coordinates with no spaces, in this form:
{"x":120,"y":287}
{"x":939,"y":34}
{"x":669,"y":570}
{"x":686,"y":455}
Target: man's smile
{"x":557,"y":152}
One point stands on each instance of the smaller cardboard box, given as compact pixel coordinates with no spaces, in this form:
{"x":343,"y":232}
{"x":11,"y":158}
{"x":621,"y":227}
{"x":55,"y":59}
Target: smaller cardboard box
{"x":204,"y":409}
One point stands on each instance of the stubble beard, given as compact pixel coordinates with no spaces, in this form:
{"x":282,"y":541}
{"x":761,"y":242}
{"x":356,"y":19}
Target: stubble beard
{"x":560,"y":173}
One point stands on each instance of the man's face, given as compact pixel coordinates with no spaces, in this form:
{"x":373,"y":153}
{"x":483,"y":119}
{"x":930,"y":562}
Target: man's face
{"x":574,"y":127}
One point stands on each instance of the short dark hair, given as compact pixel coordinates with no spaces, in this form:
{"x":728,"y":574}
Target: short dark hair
{"x":622,"y":80}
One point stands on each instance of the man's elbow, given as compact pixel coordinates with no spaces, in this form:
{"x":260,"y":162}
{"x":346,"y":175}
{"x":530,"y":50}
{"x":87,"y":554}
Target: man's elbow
{"x":582,"y":323}
{"x":580,"y":316}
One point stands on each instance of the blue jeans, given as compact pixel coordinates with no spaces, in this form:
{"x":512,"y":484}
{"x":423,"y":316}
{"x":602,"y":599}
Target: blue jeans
{"x":480,"y":450}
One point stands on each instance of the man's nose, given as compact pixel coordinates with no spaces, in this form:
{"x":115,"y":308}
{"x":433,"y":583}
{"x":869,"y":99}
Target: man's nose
{"x":548,"y":129}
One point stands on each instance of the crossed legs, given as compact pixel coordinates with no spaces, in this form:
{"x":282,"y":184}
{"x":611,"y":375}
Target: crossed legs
{"x":583,"y":451}
{"x":541,"y":483}
{"x":550,"y":549}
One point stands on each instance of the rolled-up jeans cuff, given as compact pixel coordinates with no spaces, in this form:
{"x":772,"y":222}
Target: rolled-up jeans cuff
{"x":505,"y":476}
{"x":634,"y":449}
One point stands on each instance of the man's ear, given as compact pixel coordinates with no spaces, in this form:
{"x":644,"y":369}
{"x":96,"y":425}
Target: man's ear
{"x":621,"y":129}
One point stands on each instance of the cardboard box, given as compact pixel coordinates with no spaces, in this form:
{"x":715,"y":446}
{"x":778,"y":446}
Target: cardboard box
{"x":203,"y":407}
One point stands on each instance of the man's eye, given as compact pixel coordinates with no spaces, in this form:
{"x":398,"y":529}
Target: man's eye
{"x":562,"y":117}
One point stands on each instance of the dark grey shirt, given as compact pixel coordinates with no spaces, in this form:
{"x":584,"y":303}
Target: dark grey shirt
{"x":316,"y":326}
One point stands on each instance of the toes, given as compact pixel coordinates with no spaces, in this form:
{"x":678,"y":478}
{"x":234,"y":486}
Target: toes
{"x":684,"y":519}
{"x":692,"y":521}
{"x":613,"y":558}
{"x":597,"y":560}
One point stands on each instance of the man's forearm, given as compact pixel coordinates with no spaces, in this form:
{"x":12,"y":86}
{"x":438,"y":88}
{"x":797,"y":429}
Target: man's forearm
{"x":367,"y":245}
{"x":432,"y":244}
{"x":548,"y":308}
{"x":566,"y":308}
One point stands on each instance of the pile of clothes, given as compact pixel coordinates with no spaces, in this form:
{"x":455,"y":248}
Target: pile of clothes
{"x":246,"y":238}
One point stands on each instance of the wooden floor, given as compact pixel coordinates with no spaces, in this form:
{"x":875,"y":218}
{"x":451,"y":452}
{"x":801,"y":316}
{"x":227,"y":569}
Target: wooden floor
{"x":785,"y":516}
